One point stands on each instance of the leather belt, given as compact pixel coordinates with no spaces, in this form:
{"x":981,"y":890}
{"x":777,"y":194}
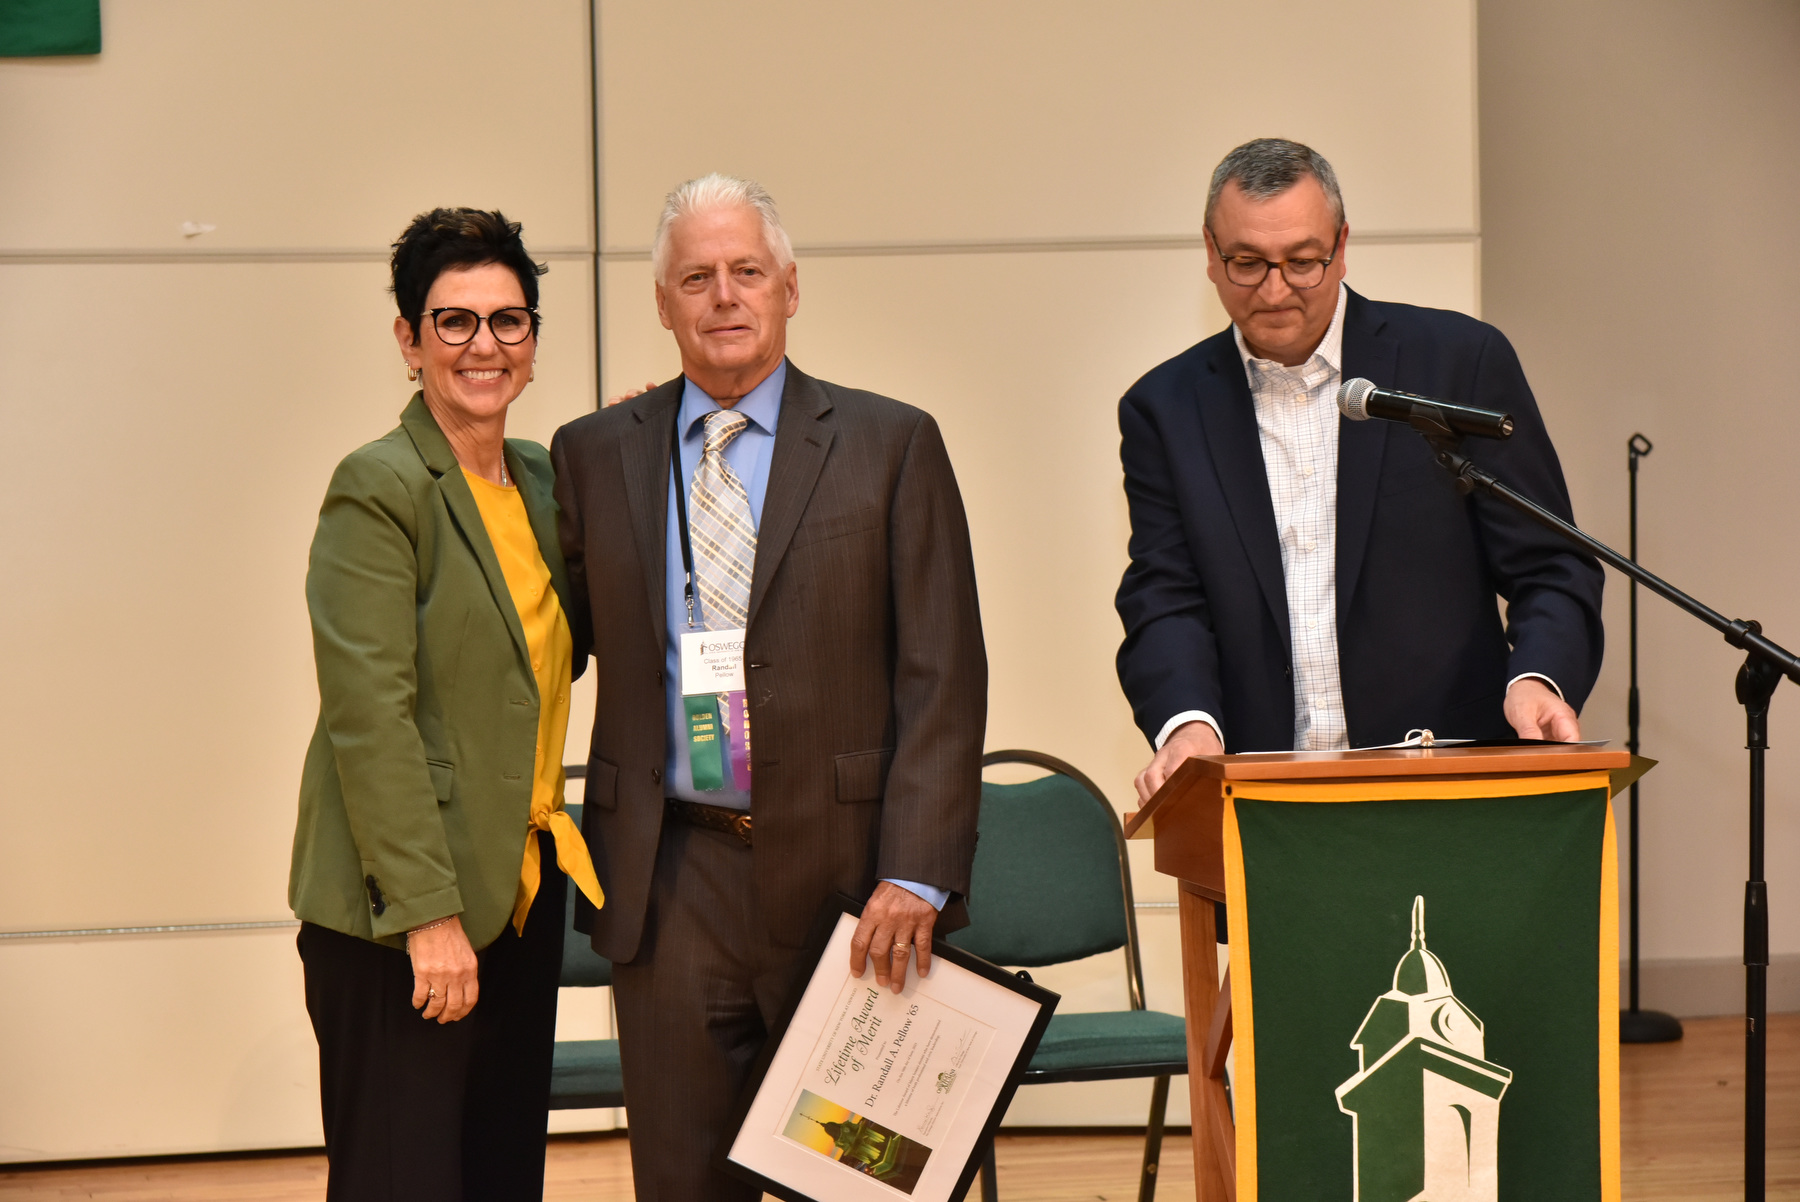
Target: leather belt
{"x":713,"y":818}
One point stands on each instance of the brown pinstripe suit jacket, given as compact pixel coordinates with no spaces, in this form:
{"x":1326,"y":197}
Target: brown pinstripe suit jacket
{"x":866,"y":670}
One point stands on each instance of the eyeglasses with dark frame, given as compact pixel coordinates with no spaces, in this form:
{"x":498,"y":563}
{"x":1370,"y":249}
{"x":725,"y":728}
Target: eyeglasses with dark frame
{"x":456,"y":326}
{"x":1249,"y":271}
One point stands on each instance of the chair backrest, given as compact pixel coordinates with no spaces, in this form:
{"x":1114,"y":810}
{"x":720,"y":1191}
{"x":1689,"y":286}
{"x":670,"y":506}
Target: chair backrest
{"x":581,"y":964}
{"x":1051,"y":882}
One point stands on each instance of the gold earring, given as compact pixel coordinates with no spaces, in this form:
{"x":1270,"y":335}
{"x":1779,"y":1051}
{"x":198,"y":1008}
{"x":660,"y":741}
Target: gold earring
{"x":412,"y":373}
{"x":533,"y":375}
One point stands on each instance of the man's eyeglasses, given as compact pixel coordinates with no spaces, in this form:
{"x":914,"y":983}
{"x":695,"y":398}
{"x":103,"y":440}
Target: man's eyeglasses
{"x":1249,"y":271}
{"x":457,"y":326}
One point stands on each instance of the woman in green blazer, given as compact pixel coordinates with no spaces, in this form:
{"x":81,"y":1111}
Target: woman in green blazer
{"x":431,"y":848}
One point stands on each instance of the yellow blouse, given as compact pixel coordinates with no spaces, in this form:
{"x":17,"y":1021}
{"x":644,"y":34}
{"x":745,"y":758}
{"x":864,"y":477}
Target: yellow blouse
{"x":552,"y":655}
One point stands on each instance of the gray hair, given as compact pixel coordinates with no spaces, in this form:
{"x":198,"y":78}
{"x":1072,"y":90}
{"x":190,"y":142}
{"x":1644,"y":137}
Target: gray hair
{"x":1268,"y":167}
{"x":716,"y":191}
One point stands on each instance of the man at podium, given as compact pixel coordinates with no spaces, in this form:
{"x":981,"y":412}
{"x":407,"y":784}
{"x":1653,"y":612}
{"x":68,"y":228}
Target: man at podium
{"x":1302,"y":582}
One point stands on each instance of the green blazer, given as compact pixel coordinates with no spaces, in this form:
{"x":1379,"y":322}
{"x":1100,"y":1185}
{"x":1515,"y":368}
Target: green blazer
{"x":416,"y":794}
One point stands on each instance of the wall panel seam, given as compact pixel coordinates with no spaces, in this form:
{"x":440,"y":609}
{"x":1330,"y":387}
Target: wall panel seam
{"x":817,"y":250}
{"x":286,"y":255}
{"x":172,"y":929}
{"x":830,"y":250}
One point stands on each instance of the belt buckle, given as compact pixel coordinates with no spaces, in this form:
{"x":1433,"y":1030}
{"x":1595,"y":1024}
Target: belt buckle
{"x":740,"y":826}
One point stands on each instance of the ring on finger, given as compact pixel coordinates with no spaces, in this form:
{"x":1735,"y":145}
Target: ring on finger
{"x":900,"y":949}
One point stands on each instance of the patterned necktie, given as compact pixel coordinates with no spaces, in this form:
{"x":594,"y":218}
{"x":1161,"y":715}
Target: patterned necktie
{"x":723,"y":534}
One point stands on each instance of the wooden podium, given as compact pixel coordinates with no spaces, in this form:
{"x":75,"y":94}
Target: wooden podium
{"x":1186,"y":819}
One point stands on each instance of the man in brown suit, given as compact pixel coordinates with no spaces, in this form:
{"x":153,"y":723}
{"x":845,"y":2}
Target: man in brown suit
{"x":820,"y":529}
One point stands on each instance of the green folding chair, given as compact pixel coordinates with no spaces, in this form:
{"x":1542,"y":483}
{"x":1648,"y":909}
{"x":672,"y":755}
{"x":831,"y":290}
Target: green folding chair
{"x":1052,"y":884}
{"x":585,"y":1072}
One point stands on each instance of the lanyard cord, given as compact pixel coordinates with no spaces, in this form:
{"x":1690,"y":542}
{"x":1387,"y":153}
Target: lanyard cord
{"x":687,"y":546}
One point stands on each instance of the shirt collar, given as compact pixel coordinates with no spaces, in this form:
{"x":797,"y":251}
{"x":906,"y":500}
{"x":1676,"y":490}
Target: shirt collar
{"x":1330,"y":348}
{"x":762,"y":404}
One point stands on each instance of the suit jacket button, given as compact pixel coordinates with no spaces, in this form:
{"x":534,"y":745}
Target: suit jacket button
{"x":659,"y":676}
{"x":656,"y":775}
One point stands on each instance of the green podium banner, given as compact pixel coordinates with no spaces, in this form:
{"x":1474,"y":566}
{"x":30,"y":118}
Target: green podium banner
{"x":1424,"y":989}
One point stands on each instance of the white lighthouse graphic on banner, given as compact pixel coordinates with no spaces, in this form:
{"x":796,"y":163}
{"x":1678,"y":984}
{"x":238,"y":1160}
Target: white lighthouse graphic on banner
{"x":1425,"y":1104}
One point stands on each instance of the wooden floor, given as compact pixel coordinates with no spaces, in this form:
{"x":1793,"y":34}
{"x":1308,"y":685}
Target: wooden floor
{"x":1683,"y":1106}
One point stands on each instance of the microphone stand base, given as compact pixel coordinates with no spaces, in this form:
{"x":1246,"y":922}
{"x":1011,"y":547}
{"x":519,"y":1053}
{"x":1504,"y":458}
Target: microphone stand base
{"x":1648,"y":1026}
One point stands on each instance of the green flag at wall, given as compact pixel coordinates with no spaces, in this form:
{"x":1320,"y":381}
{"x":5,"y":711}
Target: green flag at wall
{"x":34,"y":28}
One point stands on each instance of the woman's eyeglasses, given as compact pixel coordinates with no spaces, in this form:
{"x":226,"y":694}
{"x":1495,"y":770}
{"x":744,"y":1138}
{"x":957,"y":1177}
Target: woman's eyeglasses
{"x":457,"y":326}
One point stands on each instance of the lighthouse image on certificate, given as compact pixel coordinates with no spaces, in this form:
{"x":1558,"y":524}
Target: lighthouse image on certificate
{"x":1425,"y":1104}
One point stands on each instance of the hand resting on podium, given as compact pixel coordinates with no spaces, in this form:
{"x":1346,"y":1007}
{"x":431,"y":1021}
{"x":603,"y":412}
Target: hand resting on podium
{"x":1535,"y":711}
{"x":1188,"y":740}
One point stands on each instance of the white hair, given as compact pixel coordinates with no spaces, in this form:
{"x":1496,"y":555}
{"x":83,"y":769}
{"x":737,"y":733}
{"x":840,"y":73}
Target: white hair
{"x":717,"y":191}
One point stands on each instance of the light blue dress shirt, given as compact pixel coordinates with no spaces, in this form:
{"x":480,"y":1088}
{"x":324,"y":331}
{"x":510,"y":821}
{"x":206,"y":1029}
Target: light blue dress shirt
{"x":749,"y":455}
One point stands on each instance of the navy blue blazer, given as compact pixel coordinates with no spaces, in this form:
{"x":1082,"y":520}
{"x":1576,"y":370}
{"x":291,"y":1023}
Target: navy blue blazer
{"x":1420,"y":635}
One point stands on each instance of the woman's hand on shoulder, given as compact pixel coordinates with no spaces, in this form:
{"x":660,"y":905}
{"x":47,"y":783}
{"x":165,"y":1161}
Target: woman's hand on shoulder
{"x":444,"y":970}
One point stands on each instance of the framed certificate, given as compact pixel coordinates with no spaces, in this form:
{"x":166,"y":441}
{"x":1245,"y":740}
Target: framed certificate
{"x":867,"y":1095}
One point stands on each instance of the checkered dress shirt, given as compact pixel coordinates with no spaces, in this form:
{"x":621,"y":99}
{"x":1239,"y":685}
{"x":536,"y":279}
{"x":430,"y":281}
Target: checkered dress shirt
{"x":1297,"y":420}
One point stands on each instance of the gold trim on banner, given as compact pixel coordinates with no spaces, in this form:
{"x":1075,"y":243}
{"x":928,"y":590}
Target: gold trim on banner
{"x":1415,"y":788}
{"x":1243,"y":1016}
{"x":1609,"y":1013}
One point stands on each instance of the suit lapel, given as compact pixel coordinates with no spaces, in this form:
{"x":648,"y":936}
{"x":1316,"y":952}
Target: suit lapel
{"x":644,"y":460}
{"x":435,"y":450}
{"x":802,"y":441}
{"x":1228,"y":414}
{"x":1372,"y":355}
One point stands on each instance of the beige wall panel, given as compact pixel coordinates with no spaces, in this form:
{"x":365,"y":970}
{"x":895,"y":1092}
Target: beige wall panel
{"x":1438,"y":275}
{"x":184,"y":421}
{"x":635,"y":349}
{"x":310,"y":125}
{"x":142,"y":1046}
{"x":941,"y":121}
{"x":1614,"y":124}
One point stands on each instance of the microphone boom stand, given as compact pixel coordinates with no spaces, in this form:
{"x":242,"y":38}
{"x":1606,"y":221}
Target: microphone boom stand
{"x":1765,"y":663}
{"x":1635,"y":1025}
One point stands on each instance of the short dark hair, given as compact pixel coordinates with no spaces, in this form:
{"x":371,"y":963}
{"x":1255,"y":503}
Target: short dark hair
{"x":445,"y":239}
{"x":1268,"y":167}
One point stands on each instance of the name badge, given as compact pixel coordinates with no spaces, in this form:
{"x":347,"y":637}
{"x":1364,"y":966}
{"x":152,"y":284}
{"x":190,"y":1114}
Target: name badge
{"x":717,"y":709}
{"x":712,"y":661}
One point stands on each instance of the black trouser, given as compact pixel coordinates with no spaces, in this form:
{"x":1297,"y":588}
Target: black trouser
{"x":415,"y":1109}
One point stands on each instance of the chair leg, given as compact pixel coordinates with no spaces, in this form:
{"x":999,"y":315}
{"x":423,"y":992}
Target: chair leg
{"x":990,"y":1176}
{"x":1153,"y":1138}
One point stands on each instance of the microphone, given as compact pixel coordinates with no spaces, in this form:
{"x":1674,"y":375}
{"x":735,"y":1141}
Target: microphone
{"x":1359,"y":400}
